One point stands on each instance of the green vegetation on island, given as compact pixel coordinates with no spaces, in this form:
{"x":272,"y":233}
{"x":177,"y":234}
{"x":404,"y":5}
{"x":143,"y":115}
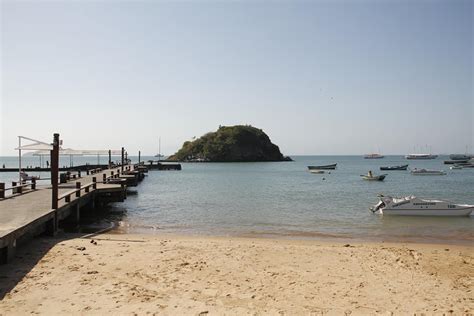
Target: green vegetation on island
{"x":239,"y":143}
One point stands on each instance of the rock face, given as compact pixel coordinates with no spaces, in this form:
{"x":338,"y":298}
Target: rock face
{"x":240,"y":143}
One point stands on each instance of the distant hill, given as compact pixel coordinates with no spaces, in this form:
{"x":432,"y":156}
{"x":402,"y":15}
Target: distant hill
{"x":239,"y":143}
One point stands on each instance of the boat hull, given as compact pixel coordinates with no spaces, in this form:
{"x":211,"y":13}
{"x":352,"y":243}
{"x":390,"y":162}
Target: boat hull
{"x":325,"y":167}
{"x":374,"y":178}
{"x":394,"y":168}
{"x":429,"y":212}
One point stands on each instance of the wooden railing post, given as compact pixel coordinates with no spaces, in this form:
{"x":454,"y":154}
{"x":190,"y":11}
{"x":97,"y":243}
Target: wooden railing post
{"x":78,"y":173}
{"x":55,"y":171}
{"x":87,"y":172}
{"x":94,"y":183}
{"x":33,"y":184}
{"x":104,"y":178}
{"x":78,"y":188}
{"x":14,"y":190}
{"x":2,"y":190}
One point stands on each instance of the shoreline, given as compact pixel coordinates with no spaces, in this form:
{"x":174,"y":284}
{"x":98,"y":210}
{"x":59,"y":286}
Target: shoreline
{"x":294,"y":235}
{"x":191,"y":275}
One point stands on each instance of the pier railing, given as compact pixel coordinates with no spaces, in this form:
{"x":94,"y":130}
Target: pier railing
{"x":17,"y":188}
{"x":77,"y":191}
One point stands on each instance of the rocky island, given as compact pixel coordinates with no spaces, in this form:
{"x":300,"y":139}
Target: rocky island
{"x":239,"y":143}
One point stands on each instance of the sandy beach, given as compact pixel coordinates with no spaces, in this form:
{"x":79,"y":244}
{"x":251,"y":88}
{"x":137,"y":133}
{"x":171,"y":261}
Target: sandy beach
{"x":186,"y":275}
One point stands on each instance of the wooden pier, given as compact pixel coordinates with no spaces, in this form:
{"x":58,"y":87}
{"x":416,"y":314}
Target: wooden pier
{"x":30,"y":210}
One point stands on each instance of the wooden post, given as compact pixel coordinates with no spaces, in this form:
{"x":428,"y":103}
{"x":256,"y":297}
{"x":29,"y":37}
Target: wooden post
{"x":33,"y":184}
{"x":123,"y":152}
{"x":94,"y":183}
{"x":104,"y":178}
{"x":78,"y":173}
{"x":55,"y":171}
{"x":139,"y":156}
{"x":110,"y":158}
{"x":2,"y":190}
{"x":78,"y":188}
{"x":14,"y":190}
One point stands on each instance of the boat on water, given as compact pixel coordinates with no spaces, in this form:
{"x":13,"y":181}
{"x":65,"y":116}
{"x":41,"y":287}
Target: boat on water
{"x":404,"y":167}
{"x":316,"y":171}
{"x":427,"y":172}
{"x":421,"y":156}
{"x":373,"y":156}
{"x":460,"y":157}
{"x":455,"y":167}
{"x":414,"y":206}
{"x":323,"y":167}
{"x":458,"y":161}
{"x":371,"y":177}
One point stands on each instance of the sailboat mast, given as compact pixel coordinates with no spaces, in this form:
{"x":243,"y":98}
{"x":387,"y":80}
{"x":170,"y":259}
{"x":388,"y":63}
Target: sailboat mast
{"x":159,"y":148}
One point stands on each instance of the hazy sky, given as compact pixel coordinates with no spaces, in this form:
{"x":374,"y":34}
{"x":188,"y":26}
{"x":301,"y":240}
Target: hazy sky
{"x":320,"y":77}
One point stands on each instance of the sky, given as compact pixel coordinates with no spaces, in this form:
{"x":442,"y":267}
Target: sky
{"x":319,"y":77}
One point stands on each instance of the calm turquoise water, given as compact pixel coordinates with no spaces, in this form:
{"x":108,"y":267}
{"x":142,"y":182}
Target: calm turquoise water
{"x":283,"y":199}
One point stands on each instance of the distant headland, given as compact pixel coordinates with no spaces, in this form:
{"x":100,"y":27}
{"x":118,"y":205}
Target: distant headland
{"x":239,"y":143}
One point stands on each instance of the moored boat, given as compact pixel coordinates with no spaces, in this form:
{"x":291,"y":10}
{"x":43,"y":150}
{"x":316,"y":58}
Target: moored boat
{"x":371,"y":177}
{"x":421,"y":156}
{"x":373,"y":156}
{"x":316,"y":171}
{"x":413,"y":206}
{"x":427,"y":172}
{"x":455,"y":167}
{"x":404,"y":167}
{"x":324,"y":167}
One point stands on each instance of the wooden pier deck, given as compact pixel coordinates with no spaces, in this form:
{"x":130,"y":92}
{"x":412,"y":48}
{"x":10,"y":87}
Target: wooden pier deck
{"x":28,"y":214}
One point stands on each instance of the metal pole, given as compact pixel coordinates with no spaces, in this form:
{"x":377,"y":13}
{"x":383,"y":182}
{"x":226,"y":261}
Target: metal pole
{"x":19,"y":159}
{"x":139,"y":156}
{"x":123,"y":152}
{"x":110,"y":158}
{"x":55,"y":171}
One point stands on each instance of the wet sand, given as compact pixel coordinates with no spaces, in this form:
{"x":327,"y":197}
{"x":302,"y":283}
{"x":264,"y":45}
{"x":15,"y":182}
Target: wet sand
{"x":186,"y":275}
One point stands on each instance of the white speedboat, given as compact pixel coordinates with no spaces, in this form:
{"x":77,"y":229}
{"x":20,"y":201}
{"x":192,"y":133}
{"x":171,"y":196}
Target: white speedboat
{"x":455,"y":167}
{"x":316,"y":171}
{"x":411,"y":205}
{"x":427,"y":172}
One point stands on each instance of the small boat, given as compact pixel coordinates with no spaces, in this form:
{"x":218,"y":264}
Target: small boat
{"x":421,"y":156}
{"x":372,"y":177}
{"x":460,"y":157}
{"x":427,"y":172}
{"x":455,"y":167}
{"x":373,"y":156}
{"x":324,"y":167}
{"x":452,"y":162}
{"x":404,"y":167}
{"x":316,"y":171}
{"x":411,"y":205}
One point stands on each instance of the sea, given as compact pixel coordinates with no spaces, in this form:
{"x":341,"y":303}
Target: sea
{"x":284,"y":200}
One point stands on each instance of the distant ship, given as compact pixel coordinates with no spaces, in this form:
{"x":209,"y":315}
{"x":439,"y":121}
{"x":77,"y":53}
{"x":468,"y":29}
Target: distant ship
{"x":373,"y":156}
{"x":421,"y":156}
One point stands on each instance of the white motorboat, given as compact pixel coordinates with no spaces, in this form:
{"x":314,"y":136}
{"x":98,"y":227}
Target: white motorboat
{"x":411,"y":205}
{"x":455,"y":167}
{"x":427,"y":172}
{"x":421,"y":156}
